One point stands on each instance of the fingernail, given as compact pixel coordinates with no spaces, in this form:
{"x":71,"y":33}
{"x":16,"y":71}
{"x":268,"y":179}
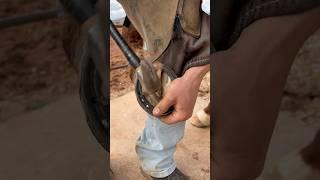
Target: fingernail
{"x":156,"y":111}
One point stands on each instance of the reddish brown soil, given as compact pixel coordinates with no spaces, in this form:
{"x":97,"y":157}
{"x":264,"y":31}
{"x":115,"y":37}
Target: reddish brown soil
{"x":33,"y":67}
{"x":120,"y":81}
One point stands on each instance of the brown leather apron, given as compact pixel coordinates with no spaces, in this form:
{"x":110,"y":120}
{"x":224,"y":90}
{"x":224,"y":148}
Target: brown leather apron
{"x":176,"y":32}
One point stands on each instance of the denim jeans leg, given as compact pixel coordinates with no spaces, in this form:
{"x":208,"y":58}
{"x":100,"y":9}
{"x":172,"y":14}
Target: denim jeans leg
{"x":156,"y":146}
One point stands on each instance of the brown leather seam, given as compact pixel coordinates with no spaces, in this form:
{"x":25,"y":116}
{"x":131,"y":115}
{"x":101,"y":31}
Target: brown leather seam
{"x":196,"y":62}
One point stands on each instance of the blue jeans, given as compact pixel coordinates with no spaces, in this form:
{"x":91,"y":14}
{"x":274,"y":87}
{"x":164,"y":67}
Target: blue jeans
{"x":156,"y":146}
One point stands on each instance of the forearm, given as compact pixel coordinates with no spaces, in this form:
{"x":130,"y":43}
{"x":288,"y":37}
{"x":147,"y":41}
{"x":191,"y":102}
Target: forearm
{"x":196,"y":74}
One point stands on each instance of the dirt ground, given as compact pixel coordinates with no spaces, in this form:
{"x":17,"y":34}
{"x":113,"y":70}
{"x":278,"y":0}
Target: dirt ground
{"x":33,"y":67}
{"x":34,"y":70}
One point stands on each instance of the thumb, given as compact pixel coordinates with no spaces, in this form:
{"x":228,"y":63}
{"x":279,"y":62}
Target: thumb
{"x":163,"y":105}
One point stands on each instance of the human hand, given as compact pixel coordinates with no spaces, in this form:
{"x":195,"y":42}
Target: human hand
{"x":181,"y":94}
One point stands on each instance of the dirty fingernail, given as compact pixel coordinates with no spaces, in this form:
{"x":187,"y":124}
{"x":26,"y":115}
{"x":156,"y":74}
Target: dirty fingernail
{"x":156,"y":111}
